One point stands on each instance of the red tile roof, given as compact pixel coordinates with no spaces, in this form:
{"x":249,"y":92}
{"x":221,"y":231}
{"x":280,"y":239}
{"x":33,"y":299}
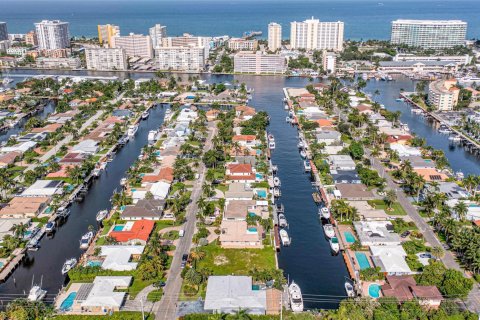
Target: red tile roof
{"x":164,"y":174}
{"x":240,"y":168}
{"x":243,"y":137}
{"x":141,"y":230}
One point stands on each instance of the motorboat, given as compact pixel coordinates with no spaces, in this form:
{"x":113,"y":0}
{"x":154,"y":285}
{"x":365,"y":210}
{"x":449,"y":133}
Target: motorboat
{"x":284,"y":237}
{"x":97,"y":172}
{"x":282,"y":221}
{"x":349,"y":290}
{"x":417,"y":111}
{"x":152,"y":136}
{"x":276,"y":192}
{"x":285,"y":106}
{"x":303,"y":154}
{"x":399,"y":100}
{"x":307,"y":166}
{"x":329,"y":231}
{"x":63,"y":212}
{"x":276,"y":182}
{"x":69,"y":265}
{"x":102,"y":214}
{"x":280,"y":208}
{"x":132,"y":130}
{"x":145,"y":115}
{"x":334,"y":245}
{"x":296,"y":299}
{"x":7,"y":80}
{"x":301,"y":144}
{"x":123,"y":181}
{"x":455,"y":138}
{"x":324,"y":212}
{"x":444,"y":129}
{"x":274,"y":168}
{"x":50,"y":227}
{"x":405,"y":127}
{"x":86,"y":239}
{"x":288,"y":119}
{"x":271,"y":137}
{"x":271,"y":145}
{"x":36,"y":293}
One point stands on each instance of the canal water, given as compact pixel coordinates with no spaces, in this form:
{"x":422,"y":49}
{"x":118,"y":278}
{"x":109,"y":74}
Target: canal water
{"x":47,"y":262}
{"x":459,"y":158}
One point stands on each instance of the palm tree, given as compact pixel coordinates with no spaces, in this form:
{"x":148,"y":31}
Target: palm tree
{"x":201,"y":203}
{"x":461,"y":209}
{"x":437,"y":252}
{"x":197,"y":255}
{"x":390,"y":198}
{"x":19,"y":230}
{"x":241,"y":314}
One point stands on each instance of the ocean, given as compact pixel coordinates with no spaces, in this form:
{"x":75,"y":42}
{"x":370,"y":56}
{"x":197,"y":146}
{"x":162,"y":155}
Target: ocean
{"x":364,"y":19}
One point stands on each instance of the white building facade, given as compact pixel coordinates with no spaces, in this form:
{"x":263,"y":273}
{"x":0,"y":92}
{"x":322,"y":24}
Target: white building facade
{"x":429,"y":34}
{"x":274,"y":36}
{"x":312,"y":34}
{"x":52,"y":34}
{"x":135,"y":45}
{"x":242,"y":44}
{"x":106,"y":59}
{"x":157,"y":33}
{"x":443,"y":95}
{"x":180,"y":58}
{"x":258,"y":63}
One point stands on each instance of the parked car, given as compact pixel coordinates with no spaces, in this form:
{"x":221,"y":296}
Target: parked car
{"x":405,"y":234}
{"x":184,"y":260}
{"x":181,"y":233}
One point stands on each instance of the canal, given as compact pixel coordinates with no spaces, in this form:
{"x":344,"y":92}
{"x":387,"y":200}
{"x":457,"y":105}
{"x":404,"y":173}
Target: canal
{"x":459,"y":158}
{"x":47,"y":262}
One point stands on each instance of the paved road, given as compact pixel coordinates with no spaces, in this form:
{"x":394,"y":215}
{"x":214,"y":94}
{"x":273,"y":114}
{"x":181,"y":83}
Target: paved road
{"x":473,"y":300}
{"x":166,"y":308}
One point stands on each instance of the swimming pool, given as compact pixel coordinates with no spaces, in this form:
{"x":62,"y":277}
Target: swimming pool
{"x":252,"y":229}
{"x":68,"y":302}
{"x":259,"y":176}
{"x":374,"y":290}
{"x":349,"y":237}
{"x":362,"y":260}
{"x":118,"y":228}
{"x":94,"y":263}
{"x":262,"y":193}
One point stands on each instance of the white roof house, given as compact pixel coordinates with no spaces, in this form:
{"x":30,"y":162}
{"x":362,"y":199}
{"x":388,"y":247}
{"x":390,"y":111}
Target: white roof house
{"x":118,"y":257}
{"x":227,"y":294}
{"x":187,"y":115}
{"x":86,"y":146}
{"x":328,"y":137}
{"x":44,"y":188}
{"x":20,"y":147}
{"x":372,"y":233}
{"x":7,"y":225}
{"x":160,"y":190}
{"x":103,"y":295}
{"x":341,"y":162}
{"x":390,"y":259}
{"x":405,"y":151}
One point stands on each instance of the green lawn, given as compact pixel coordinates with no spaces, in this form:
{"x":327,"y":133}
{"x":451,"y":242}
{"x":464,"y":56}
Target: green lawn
{"x":236,"y":261}
{"x":396,"y":210}
{"x":155,"y":295}
{"x":222,"y":187}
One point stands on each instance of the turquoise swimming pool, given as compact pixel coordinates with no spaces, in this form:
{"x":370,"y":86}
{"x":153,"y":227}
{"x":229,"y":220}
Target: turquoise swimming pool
{"x":262,"y":194}
{"x":94,"y":263}
{"x":362,"y":260}
{"x":252,"y":229}
{"x":374,"y":290}
{"x":118,"y":228}
{"x":349,"y":237}
{"x":259,"y":176}
{"x":68,"y":302}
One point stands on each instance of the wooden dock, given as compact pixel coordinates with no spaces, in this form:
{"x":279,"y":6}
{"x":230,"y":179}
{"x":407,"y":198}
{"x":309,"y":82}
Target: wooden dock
{"x":12,"y":264}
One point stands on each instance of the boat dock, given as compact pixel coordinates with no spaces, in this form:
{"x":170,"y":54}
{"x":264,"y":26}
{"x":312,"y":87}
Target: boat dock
{"x":12,"y":264}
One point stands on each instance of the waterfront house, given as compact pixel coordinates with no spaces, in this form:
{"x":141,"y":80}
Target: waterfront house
{"x":49,"y":128}
{"x":354,"y":191}
{"x":102,"y":296}
{"x":159,"y":174}
{"x":8,"y":158}
{"x":118,"y":257}
{"x":44,"y":188}
{"x":159,"y":190}
{"x":86,"y":146}
{"x":228,"y":294}
{"x":244,"y":140}
{"x":37,"y":137}
{"x":364,"y":109}
{"x":133,"y":232}
{"x":418,"y":162}
{"x":405,"y":151}
{"x":345,"y":176}
{"x":314,"y":113}
{"x":405,"y":288}
{"x":238,"y":191}
{"x":399,"y":138}
{"x":146,"y":209}
{"x":19,"y":147}
{"x":237,"y":209}
{"x":240,"y":172}
{"x":368,"y":212}
{"x":244,"y":112}
{"x":237,"y":234}
{"x":73,"y":158}
{"x":122,"y":113}
{"x":372,"y":233}
{"x":390,"y":259}
{"x":431,"y":174}
{"x":325,"y":124}
{"x":7,"y":225}
{"x":341,"y":162}
{"x":329,"y":137}
{"x":453,"y":191}
{"x":24,"y":207}
{"x":63,"y":117}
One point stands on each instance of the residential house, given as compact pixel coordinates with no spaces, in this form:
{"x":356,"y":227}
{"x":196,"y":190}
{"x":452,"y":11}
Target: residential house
{"x":353,"y":192}
{"x":431,"y":174}
{"x":390,"y":259}
{"x":144,"y":210}
{"x":372,"y":233}
{"x":238,"y":191}
{"x":405,"y":288}
{"x":240,"y":172}
{"x":8,"y":158}
{"x":244,"y":140}
{"x":237,"y":234}
{"x":118,"y":257}
{"x":24,"y":207}
{"x":86,"y":146}
{"x":44,"y":188}
{"x":21,"y":147}
{"x":405,"y":151}
{"x":329,"y":137}
{"x":237,"y":209}
{"x":134,"y":232}
{"x":345,"y":176}
{"x":342,"y":162}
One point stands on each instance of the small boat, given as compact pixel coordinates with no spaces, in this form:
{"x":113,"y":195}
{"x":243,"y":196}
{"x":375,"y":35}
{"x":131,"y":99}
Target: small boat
{"x":288,"y":119}
{"x":271,"y":137}
{"x":455,"y":138}
{"x":132,"y":130}
{"x":459,"y":175}
{"x":282,"y":221}
{"x":284,"y":237}
{"x":301,"y":144}
{"x":324,"y":213}
{"x":280,"y":207}
{"x":102,"y":214}
{"x":444,"y":129}
{"x":123,"y":181}
{"x":145,"y":115}
{"x":276,"y":182}
{"x":69,"y":265}
{"x":274,"y":168}
{"x":271,"y":145}
{"x":276,"y":192}
{"x":152,"y":136}
{"x":307,"y":166}
{"x":63,"y":212}
{"x":303,"y":154}
{"x":329,"y":231}
{"x":399,"y":100}
{"x":36,"y":293}
{"x":97,"y":172}
{"x":86,"y":239}
{"x":296,"y":299}
{"x":417,"y":111}
{"x":334,"y":245}
{"x":50,"y":227}
{"x":349,"y":290}
{"x":7,"y":80}
{"x":285,"y":106}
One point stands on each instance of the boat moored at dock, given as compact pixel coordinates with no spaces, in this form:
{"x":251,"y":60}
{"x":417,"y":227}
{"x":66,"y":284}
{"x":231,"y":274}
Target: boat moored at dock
{"x":86,"y":239}
{"x":282,"y":221}
{"x":329,"y":231}
{"x":296,"y":298}
{"x":102,"y":214}
{"x":284,"y":237}
{"x":334,"y":244}
{"x":324,"y":213}
{"x":69,"y":265}
{"x":307,"y":166}
{"x":132,"y":130}
{"x":36,"y":294}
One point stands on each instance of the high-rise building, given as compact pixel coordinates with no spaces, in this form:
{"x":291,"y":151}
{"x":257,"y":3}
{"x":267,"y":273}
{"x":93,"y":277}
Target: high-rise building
{"x":242,"y":44}
{"x":329,"y":62}
{"x":106,"y":59}
{"x":52,"y":34}
{"x":274,"y":36}
{"x":31,"y":38}
{"x":3,"y":31}
{"x":258,"y":63}
{"x":429,"y":34}
{"x":312,"y":34}
{"x":181,"y":58}
{"x":135,"y":45}
{"x":443,"y":94}
{"x":106,"y":32}
{"x":157,"y":33}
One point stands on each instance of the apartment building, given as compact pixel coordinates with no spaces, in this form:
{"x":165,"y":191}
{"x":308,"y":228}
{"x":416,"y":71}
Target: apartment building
{"x":135,"y":45}
{"x":106,"y":59}
{"x":188,"y":40}
{"x":3,"y":31}
{"x":31,"y":38}
{"x":52,"y":34}
{"x":443,"y":94}
{"x":274,"y":36}
{"x":465,"y":59}
{"x":157,"y":34}
{"x":180,"y":58}
{"x":242,"y":44}
{"x":429,"y":34}
{"x":259,"y":63}
{"x":55,"y":63}
{"x":106,"y":32}
{"x":312,"y":34}
{"x":329,"y":62}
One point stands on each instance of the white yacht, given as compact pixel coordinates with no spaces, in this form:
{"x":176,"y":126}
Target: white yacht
{"x":282,"y":221}
{"x":274,"y":168}
{"x":271,"y":137}
{"x":50,"y":227}
{"x":455,"y":138}
{"x":296,"y":299}
{"x":329,"y":231}
{"x":276,"y":192}
{"x":36,"y":293}
{"x":334,"y":245}
{"x":152,"y":136}
{"x":123,"y":181}
{"x":69,"y":265}
{"x":7,"y":80}
{"x":284,"y":237}
{"x":86,"y":239}
{"x":285,"y":106}
{"x":303,"y":154}
{"x":324,"y":212}
{"x":132,"y":130}
{"x":63,"y":212}
{"x":307,"y":166}
{"x":349,"y":289}
{"x":288,"y":119}
{"x":276,"y":182}
{"x":301,"y":144}
{"x":271,"y":145}
{"x":102,"y":214}
{"x":145,"y":115}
